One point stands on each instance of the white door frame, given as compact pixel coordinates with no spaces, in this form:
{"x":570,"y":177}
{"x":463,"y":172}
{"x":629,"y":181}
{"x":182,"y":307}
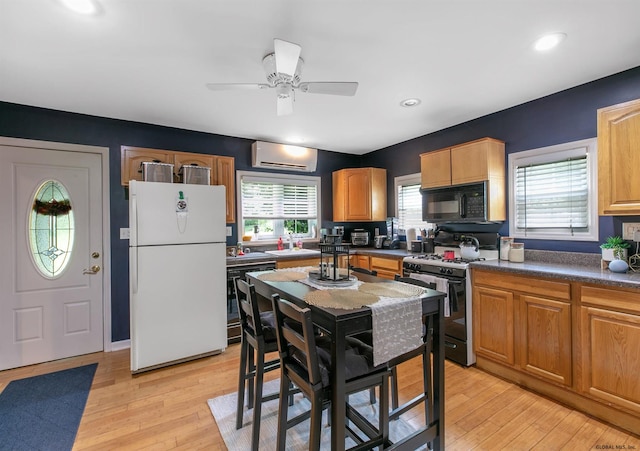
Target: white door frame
{"x":106,"y":218}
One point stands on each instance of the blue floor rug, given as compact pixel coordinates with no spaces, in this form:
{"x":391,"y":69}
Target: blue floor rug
{"x":44,"y":412}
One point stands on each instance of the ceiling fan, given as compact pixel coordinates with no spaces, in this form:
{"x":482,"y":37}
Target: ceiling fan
{"x":283,"y":68}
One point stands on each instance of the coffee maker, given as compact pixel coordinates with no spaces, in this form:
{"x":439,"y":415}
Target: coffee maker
{"x":392,"y":240}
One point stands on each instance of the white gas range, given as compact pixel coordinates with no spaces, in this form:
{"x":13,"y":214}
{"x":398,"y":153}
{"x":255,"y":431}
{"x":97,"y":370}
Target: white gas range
{"x":450,"y":274}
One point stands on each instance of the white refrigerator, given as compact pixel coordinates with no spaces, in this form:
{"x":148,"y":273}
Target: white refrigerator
{"x":177,"y":272}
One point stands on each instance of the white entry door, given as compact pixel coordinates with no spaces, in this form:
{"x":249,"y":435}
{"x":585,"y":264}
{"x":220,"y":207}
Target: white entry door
{"x":51,"y":278}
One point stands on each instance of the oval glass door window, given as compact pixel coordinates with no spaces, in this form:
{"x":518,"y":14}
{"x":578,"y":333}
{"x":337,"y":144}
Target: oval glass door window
{"x":51,"y":231}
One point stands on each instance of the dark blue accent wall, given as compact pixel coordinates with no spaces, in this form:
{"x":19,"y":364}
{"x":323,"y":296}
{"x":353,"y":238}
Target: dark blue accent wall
{"x":566,"y":116}
{"x":19,"y":121}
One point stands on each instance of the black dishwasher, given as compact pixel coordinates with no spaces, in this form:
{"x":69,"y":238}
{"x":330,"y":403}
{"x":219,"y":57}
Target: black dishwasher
{"x":233,"y":272}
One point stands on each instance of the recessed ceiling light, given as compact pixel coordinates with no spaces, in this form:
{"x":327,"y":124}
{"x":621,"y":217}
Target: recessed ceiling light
{"x":410,"y":102}
{"x":87,"y":7}
{"x":548,"y":41}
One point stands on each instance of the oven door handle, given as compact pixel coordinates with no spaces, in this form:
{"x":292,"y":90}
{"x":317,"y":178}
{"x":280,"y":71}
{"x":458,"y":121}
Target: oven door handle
{"x":453,"y":295}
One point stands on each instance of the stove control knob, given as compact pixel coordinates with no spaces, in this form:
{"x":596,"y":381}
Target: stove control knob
{"x":449,"y":271}
{"x":443,"y":270}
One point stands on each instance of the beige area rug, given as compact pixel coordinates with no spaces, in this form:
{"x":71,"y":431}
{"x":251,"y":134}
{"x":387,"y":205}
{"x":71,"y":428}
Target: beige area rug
{"x":223,"y":409}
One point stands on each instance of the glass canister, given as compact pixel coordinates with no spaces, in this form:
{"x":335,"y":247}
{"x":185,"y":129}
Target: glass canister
{"x":505,"y":246}
{"x":516,"y":253}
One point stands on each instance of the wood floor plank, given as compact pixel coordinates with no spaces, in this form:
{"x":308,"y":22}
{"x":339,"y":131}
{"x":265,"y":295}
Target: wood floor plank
{"x":167,"y":409}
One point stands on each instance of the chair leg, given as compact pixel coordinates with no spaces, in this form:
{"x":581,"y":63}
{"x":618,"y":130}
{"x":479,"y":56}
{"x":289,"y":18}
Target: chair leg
{"x":394,"y":388}
{"x":315,"y":432}
{"x":257,"y":403}
{"x":242,"y":377}
{"x":283,"y":412}
{"x":384,"y":409}
{"x":372,"y":395}
{"x":251,"y":371}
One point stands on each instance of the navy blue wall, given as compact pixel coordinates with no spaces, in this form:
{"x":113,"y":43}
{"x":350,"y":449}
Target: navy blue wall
{"x":562,"y":117}
{"x":18,"y":121}
{"x":567,"y":116}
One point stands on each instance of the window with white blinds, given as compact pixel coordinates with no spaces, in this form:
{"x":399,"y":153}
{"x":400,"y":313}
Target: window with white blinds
{"x":276,"y":205}
{"x":409,"y":202}
{"x":552,"y":192}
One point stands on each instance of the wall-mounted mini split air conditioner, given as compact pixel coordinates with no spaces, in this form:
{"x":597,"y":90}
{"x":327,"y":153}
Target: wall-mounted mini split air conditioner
{"x":283,"y":156}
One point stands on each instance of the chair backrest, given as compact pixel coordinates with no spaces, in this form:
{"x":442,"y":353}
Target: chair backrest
{"x":248,"y":307}
{"x":371,"y":272}
{"x":296,"y":339}
{"x":412,"y":281}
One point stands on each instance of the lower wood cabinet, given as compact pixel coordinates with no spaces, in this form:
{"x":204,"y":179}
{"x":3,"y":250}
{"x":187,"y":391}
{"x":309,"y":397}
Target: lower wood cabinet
{"x":610,"y":341}
{"x":387,"y":267}
{"x":524,"y":323}
{"x":574,"y":342}
{"x":299,"y":262}
{"x":360,"y":261}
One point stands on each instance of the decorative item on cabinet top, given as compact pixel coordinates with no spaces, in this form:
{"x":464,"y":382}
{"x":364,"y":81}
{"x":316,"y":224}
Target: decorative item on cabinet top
{"x":222,"y":168}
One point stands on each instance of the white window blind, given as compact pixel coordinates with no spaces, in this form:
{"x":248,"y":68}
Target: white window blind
{"x":409,"y":206}
{"x":263,"y":200}
{"x":553,"y":195}
{"x":273,"y":205}
{"x":552,"y":192}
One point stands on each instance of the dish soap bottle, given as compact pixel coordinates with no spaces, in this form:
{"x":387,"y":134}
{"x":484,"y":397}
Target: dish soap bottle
{"x":280,"y":245}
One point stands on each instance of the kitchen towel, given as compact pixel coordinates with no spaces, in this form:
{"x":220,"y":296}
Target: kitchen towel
{"x":441,"y":285}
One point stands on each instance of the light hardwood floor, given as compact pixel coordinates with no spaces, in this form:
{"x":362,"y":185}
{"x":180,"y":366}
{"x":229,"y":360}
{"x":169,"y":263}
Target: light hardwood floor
{"x":167,"y":408}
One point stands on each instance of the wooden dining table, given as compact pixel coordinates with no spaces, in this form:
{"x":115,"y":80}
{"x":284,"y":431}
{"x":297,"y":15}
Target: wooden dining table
{"x":341,"y":323}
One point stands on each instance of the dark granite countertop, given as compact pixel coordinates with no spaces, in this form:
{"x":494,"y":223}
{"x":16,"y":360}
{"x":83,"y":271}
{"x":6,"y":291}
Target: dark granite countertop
{"x":260,"y":257}
{"x":567,"y":271}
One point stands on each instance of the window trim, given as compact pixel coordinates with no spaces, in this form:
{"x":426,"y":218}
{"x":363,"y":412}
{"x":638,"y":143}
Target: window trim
{"x":409,"y":179}
{"x":273,"y":177}
{"x":545,"y":155}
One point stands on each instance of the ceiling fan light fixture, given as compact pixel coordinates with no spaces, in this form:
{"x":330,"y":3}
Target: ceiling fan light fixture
{"x":408,"y":103}
{"x":548,"y":41}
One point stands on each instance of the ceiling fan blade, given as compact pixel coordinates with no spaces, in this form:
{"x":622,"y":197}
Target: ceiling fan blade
{"x":236,"y":86}
{"x":285,"y":105}
{"x":337,"y":88}
{"x":287,"y":54}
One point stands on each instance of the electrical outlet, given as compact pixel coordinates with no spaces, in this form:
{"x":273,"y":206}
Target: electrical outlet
{"x":229,"y":231}
{"x":636,"y":236}
{"x":124,"y":233}
{"x":629,"y":229}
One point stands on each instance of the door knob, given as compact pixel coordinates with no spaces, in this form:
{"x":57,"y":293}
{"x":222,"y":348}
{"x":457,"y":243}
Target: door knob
{"x":94,"y":270}
{"x":95,"y":255}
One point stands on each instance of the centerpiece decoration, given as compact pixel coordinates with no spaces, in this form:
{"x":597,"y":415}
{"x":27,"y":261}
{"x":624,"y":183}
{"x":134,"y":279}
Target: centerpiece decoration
{"x":614,"y":251}
{"x":334,"y":263}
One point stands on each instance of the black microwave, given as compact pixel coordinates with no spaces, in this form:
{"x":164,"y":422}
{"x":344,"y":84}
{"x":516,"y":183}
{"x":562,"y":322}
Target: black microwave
{"x":460,"y":203}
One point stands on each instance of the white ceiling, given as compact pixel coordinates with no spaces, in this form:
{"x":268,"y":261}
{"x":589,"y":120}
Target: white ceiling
{"x":149,"y":61}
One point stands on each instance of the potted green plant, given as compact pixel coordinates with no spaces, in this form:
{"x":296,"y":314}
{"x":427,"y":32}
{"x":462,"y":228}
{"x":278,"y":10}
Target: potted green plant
{"x":614,"y":248}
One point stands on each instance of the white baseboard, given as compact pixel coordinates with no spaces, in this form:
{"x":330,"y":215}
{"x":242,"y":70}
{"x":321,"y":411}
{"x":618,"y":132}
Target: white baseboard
{"x":119,"y":345}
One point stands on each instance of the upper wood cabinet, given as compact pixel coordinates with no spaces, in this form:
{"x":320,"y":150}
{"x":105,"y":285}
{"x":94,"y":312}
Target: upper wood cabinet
{"x":475,"y":161}
{"x":619,"y":159}
{"x":222,"y":169}
{"x":131,"y":159}
{"x":360,"y":194}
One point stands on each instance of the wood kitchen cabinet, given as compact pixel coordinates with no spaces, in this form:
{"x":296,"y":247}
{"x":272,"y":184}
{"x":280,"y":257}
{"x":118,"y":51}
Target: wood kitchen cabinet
{"x":360,"y":194}
{"x":525,"y":323}
{"x":619,"y":159}
{"x":387,"y":267}
{"x":610,"y":338}
{"x":131,"y":159}
{"x":360,"y":261}
{"x":222,"y":168}
{"x":475,"y":161}
{"x":298,"y":262}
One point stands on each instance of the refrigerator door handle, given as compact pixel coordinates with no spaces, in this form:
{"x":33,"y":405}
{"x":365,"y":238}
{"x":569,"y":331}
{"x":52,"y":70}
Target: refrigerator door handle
{"x":133,"y":269}
{"x":133,"y":220}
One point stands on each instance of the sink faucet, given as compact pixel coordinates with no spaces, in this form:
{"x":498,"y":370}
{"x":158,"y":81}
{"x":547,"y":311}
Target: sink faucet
{"x":290,"y":239}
